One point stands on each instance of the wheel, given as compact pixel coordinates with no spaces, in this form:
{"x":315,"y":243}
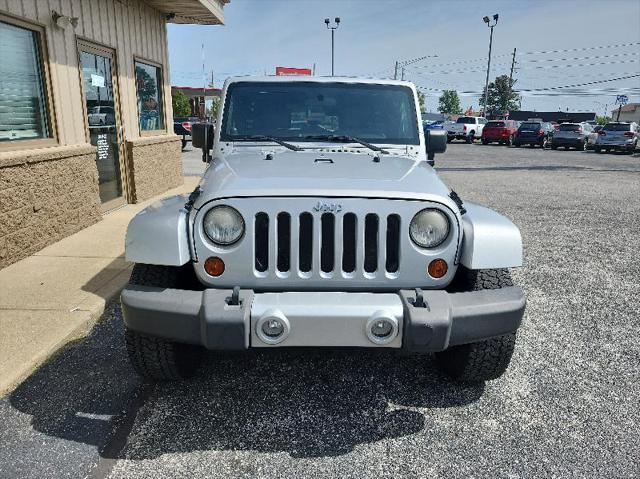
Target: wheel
{"x":516,"y":144}
{"x":554,"y":147}
{"x":485,"y":142}
{"x":155,"y":358}
{"x":597,"y":149}
{"x":449,"y":139}
{"x":482,"y":360}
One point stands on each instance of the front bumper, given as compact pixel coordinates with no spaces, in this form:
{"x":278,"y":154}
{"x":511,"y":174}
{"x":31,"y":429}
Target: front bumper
{"x":209,"y":318}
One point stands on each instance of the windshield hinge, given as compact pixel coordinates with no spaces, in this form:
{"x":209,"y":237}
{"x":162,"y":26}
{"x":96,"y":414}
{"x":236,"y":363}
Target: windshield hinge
{"x":458,"y":201}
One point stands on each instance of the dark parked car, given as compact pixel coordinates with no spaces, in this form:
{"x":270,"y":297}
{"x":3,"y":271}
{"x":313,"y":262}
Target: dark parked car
{"x":182,"y":127}
{"x":534,"y":133}
{"x":502,"y":131}
{"x":571,"y":135}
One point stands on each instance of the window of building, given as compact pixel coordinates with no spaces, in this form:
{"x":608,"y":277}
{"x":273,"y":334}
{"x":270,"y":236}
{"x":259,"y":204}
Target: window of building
{"x":149,"y":88}
{"x":23,"y":100}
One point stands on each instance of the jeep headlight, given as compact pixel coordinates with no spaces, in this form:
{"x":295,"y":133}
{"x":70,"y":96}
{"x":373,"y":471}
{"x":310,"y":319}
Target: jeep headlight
{"x":223,"y":225}
{"x":429,"y":228}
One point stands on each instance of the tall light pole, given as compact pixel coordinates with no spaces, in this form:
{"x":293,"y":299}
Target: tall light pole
{"x":333,"y":30}
{"x":487,"y":20}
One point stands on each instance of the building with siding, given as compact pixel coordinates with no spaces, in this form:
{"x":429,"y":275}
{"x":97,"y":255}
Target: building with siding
{"x":629,"y":112}
{"x":85,"y":112}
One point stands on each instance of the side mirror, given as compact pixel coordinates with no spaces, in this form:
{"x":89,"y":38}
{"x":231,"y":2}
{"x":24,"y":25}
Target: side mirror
{"x":436,"y":141}
{"x":202,"y":137}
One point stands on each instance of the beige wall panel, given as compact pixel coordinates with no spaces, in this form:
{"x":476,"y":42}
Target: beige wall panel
{"x":132,"y":28}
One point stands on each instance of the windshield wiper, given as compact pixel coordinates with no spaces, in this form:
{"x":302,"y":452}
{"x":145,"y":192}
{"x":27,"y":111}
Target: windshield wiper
{"x":267,"y":138}
{"x":345,"y":139}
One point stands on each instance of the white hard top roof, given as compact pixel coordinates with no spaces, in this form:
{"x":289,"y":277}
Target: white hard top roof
{"x":318,"y":79}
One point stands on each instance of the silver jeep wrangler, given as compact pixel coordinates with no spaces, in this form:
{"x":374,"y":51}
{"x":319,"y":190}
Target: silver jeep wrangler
{"x":321,"y":222}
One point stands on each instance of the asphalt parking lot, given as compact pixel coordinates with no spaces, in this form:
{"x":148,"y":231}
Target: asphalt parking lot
{"x":568,"y":406}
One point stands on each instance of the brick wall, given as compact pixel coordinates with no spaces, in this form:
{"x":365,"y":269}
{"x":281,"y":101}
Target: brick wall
{"x":45,"y":195}
{"x":156,"y":165}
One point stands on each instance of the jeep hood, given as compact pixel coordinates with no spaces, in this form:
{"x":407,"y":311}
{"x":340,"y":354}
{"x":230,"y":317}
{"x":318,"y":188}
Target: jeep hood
{"x":320,"y":174}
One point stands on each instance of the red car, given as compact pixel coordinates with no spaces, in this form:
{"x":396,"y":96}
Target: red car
{"x":502,"y":131}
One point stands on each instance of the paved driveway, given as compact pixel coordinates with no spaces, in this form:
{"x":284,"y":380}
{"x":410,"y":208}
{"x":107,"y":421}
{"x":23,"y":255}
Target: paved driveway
{"x":568,"y":407}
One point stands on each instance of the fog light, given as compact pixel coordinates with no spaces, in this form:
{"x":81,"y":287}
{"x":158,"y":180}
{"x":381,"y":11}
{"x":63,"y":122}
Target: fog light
{"x":438,"y":268}
{"x":381,"y":328}
{"x":214,"y":266}
{"x":273,"y":327}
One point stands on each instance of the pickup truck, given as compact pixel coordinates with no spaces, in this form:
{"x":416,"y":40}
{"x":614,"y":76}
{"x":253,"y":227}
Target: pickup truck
{"x":466,"y":128}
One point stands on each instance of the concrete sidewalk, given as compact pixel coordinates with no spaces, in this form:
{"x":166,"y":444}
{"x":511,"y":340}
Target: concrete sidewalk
{"x":57,"y":295}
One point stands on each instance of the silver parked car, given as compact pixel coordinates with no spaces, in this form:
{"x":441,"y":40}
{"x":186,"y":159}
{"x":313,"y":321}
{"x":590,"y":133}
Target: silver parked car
{"x":321,"y":222}
{"x":618,"y":136}
{"x":571,"y":135}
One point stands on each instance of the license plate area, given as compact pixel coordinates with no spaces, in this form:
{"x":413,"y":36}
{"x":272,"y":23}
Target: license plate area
{"x":331,"y":319}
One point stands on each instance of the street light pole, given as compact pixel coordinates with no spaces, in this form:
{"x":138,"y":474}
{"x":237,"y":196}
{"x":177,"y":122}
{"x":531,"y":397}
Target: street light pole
{"x":333,"y":29}
{"x":487,"y":20}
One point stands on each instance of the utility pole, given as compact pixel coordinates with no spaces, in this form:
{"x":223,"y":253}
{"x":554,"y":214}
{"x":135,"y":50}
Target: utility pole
{"x":333,"y":30}
{"x":402,"y":64}
{"x":513,"y":64}
{"x":487,"y":20}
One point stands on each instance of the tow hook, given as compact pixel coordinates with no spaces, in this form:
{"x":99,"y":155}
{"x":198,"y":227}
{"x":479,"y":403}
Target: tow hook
{"x":419,"y":301}
{"x":234,"y":299}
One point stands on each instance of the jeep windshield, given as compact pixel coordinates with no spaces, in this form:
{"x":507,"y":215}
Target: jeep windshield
{"x":318,"y":112}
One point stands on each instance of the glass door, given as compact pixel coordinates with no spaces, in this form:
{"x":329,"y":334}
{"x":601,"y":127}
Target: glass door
{"x":103,"y":121}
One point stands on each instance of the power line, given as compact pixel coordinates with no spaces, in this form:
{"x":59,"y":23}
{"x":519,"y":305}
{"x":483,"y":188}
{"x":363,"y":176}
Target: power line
{"x":595,"y":57}
{"x":582,"y":49}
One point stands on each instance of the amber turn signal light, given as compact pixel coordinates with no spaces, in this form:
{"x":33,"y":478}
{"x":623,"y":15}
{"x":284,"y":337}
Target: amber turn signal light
{"x":214,"y":266}
{"x":438,"y":268}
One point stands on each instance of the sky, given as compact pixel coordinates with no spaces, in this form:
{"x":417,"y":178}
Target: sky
{"x":559,"y":43}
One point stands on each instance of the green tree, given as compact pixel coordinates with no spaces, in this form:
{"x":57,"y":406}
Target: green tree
{"x":421,"y":100}
{"x":501,"y":96}
{"x":603,"y":120}
{"x":180,"y":104}
{"x":449,"y":102}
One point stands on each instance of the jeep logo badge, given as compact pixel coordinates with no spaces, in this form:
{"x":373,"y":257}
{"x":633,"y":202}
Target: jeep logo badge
{"x":327,"y":207}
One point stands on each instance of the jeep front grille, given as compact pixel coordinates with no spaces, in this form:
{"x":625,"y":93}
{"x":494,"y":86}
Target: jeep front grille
{"x":327,"y":244}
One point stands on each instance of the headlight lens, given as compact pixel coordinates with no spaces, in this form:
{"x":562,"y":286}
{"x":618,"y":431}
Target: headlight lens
{"x":223,"y":225}
{"x":429,"y":228}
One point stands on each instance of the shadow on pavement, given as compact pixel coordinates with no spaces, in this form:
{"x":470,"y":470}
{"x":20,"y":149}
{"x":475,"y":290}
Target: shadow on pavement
{"x":307,"y":403}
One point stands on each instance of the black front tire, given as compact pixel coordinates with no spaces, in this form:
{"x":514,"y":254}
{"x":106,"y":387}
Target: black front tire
{"x":477,"y":362}
{"x":155,"y":358}
{"x":482,"y":360}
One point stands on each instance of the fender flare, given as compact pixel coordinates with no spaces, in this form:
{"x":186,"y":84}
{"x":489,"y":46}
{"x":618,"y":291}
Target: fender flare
{"x":490,"y":240}
{"x":159,"y":234}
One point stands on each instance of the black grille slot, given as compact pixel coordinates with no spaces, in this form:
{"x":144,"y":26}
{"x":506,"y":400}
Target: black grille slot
{"x":284,"y":242}
{"x":371,"y":243}
{"x":262,"y":242}
{"x":349,"y":243}
{"x":306,"y":242}
{"x":327,"y":247}
{"x":393,"y":243}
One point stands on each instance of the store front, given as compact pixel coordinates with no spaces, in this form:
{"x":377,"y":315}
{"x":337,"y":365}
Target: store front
{"x":85,"y":100}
